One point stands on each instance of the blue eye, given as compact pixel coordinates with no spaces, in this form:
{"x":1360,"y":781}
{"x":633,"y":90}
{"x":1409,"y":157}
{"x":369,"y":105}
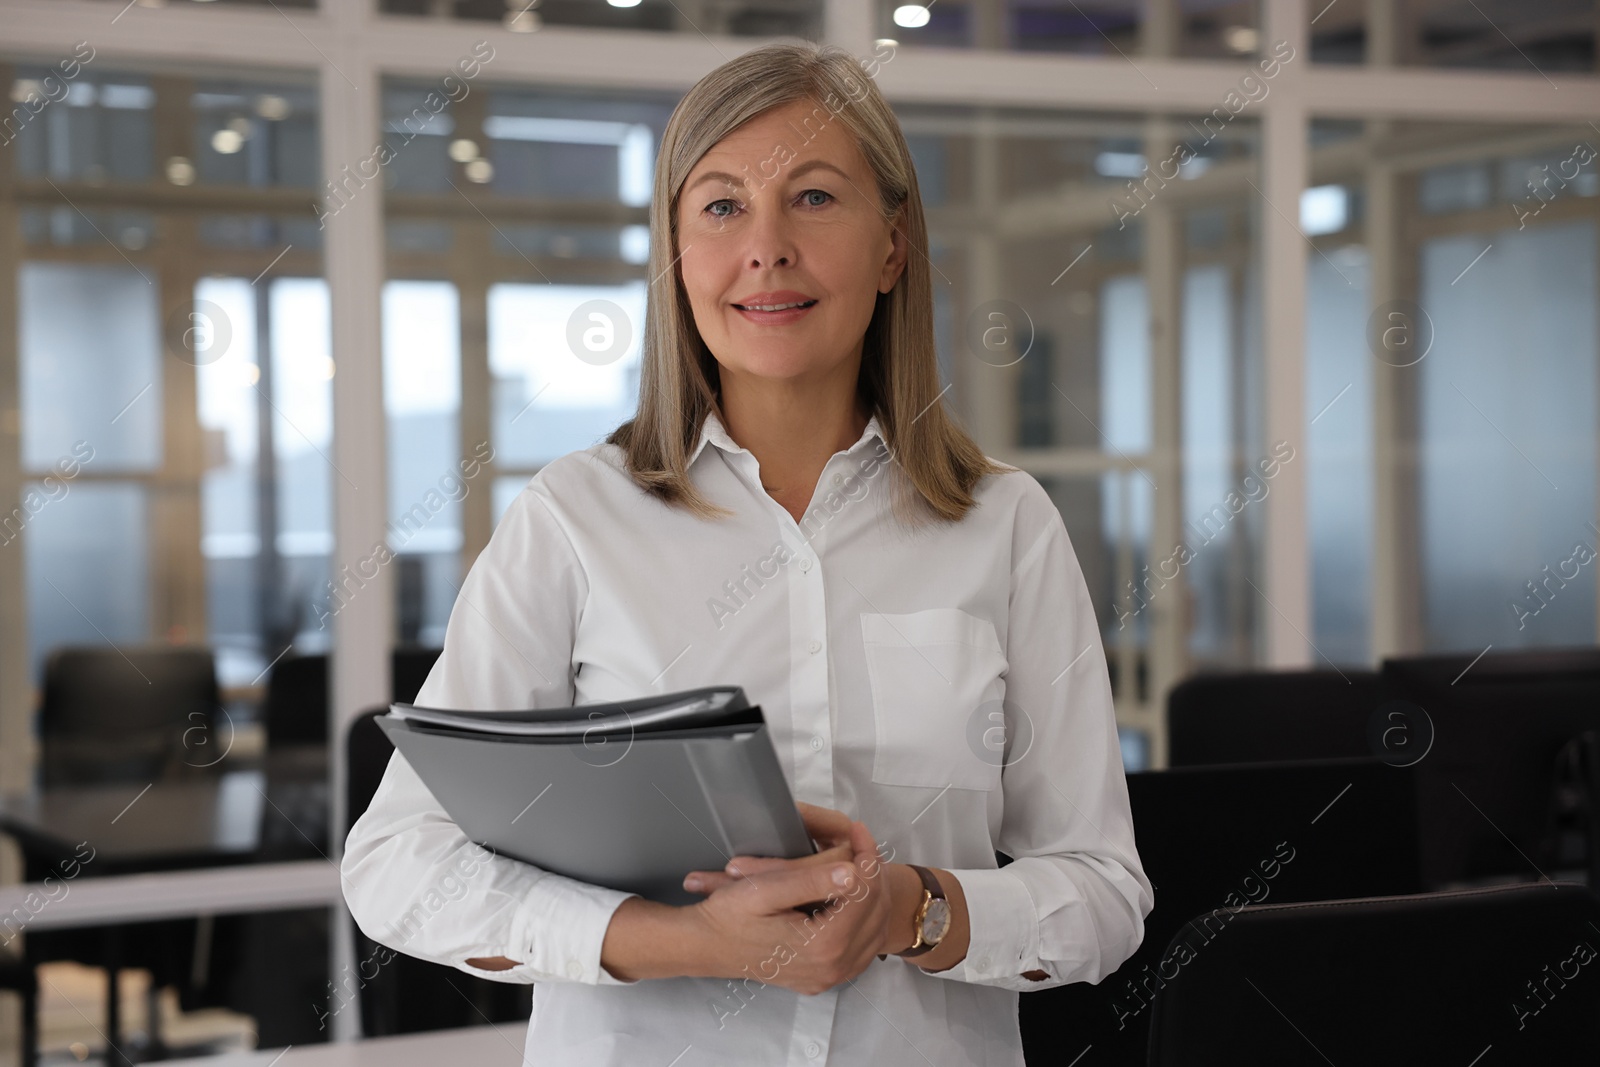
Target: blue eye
{"x":713,"y":204}
{"x":817,"y":192}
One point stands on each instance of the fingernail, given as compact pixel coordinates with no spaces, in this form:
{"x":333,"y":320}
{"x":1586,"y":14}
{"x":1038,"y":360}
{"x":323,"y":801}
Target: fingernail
{"x":841,"y":877}
{"x":692,"y":882}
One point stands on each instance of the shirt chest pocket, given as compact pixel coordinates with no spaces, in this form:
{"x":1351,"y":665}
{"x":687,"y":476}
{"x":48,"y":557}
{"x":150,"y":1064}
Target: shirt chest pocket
{"x":933,"y":674}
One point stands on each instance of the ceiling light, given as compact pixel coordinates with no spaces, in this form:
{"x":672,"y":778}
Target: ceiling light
{"x":180,"y":171}
{"x":272,"y":108}
{"x":911,"y":16}
{"x":1242,"y":39}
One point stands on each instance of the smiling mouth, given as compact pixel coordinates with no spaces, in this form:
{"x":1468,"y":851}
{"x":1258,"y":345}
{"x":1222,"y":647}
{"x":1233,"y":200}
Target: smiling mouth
{"x":775,"y":307}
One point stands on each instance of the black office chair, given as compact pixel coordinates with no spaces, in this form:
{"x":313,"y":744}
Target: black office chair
{"x":1435,"y":978}
{"x":1265,"y":716}
{"x":295,"y":710}
{"x":408,"y":669}
{"x":128,"y":715}
{"x":1211,"y":837}
{"x":409,"y":995}
{"x":1487,"y":790}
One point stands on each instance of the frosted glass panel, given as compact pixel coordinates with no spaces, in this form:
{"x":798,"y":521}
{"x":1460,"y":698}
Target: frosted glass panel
{"x":91,"y":365}
{"x":1508,"y":415}
{"x":1338,"y":455}
{"x":86,"y":567}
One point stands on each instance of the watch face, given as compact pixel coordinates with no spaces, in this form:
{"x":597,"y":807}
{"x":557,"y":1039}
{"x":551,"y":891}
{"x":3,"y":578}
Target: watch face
{"x":936,"y":921}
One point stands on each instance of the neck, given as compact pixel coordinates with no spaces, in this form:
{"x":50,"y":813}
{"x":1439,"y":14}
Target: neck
{"x":792,"y":436}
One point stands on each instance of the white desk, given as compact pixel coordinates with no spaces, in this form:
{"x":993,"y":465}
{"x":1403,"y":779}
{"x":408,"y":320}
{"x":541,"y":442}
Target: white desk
{"x":481,"y":1046}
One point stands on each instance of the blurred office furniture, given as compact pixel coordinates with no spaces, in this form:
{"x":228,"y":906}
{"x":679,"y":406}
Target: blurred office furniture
{"x":409,"y":667}
{"x":296,"y":707}
{"x":1262,"y":716}
{"x":90,"y":831}
{"x":1488,"y":735}
{"x":273,"y":966}
{"x":405,"y":994}
{"x":1499,"y":722}
{"x":130,"y":715}
{"x":112,"y":717}
{"x":1211,"y":837}
{"x":1434,"y":978}
{"x":17,"y":975}
{"x":1574,"y":837}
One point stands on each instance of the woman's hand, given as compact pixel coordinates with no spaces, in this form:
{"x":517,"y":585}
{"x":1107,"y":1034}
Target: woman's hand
{"x":751,"y":916}
{"x":828,"y":827}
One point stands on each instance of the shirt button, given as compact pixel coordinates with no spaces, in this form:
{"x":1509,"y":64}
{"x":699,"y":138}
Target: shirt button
{"x":838,"y":479}
{"x":805,"y":563}
{"x":574,"y":969}
{"x":814,"y":647}
{"x":813,"y":1050}
{"x":983,"y":964}
{"x":816,"y":743}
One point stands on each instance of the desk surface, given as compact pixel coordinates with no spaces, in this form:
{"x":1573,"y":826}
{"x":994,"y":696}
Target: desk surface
{"x":482,"y":1046}
{"x":217,"y":818}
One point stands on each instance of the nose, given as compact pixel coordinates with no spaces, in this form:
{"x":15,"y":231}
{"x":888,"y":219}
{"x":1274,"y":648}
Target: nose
{"x":771,"y":239}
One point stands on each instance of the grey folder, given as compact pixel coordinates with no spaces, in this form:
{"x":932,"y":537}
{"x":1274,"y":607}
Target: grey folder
{"x":630,"y":795}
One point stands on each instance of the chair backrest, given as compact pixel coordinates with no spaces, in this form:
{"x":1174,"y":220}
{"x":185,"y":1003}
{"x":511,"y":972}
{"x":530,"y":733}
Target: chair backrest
{"x":410,"y":665}
{"x":1435,"y":978}
{"x":1211,"y":837}
{"x":295,"y":710}
{"x":296,"y":707}
{"x":1500,"y":723}
{"x":409,"y":995}
{"x":117,"y":715}
{"x":1265,"y":716}
{"x":367,"y":755}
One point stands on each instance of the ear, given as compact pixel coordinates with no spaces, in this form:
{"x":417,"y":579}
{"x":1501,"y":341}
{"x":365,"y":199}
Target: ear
{"x":899,"y":250}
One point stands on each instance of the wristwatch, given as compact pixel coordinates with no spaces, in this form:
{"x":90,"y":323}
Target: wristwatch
{"x":932,"y":920}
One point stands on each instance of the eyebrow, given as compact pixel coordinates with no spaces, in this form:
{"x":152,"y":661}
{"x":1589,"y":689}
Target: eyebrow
{"x":804,"y":168}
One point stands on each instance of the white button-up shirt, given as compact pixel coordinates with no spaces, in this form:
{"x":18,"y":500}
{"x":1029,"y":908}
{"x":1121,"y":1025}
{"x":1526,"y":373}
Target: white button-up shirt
{"x":946,"y":686}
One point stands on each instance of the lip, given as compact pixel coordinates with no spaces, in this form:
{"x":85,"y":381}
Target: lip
{"x":774,"y":296}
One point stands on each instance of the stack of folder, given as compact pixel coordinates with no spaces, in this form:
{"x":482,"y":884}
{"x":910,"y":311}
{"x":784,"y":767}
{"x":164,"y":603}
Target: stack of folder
{"x":631,"y":795}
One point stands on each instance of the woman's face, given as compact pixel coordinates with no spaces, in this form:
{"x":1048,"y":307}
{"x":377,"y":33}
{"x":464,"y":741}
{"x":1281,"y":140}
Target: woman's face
{"x":767,"y":218}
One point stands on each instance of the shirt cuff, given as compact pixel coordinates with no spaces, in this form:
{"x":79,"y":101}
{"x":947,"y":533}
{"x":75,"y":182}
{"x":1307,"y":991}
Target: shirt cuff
{"x":558,"y":931}
{"x":1004,"y":925}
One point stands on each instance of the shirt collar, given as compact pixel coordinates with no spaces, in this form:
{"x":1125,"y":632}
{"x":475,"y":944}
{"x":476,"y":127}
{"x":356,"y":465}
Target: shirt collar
{"x":714,"y":432}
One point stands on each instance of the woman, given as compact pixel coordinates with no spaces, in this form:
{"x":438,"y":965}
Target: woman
{"x":792,"y":511}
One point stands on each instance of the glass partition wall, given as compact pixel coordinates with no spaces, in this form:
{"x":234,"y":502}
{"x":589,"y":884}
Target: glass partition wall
{"x":1291,"y":311}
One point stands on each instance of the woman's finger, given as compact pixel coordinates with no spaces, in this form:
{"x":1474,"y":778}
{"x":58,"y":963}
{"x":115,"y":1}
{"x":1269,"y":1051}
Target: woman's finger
{"x":827,"y":826}
{"x":743,"y":866}
{"x":706,"y":881}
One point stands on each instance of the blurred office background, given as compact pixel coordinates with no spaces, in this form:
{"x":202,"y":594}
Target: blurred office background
{"x":1375,"y":266}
